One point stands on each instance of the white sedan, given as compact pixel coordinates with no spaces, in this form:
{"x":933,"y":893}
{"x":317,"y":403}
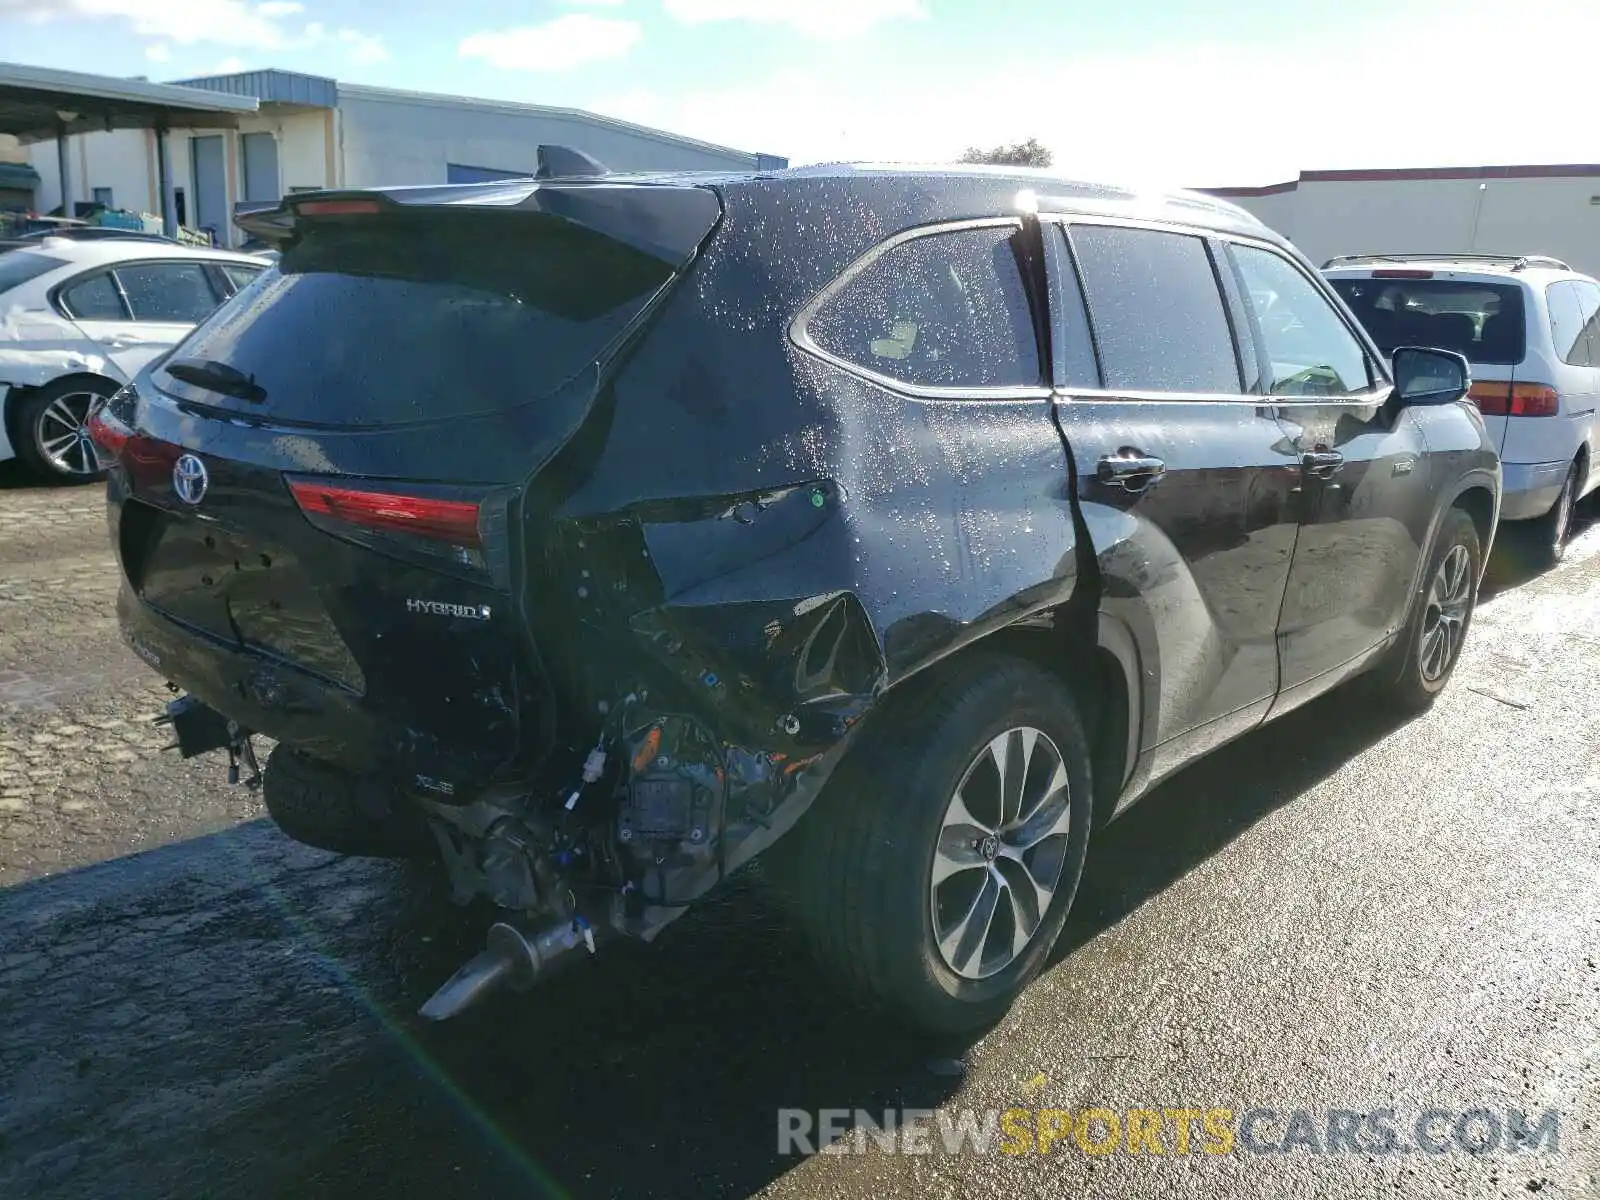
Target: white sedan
{"x":78,"y":319}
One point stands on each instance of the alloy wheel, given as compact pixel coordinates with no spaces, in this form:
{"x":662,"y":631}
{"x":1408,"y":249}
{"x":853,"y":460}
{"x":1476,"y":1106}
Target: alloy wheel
{"x":1444,"y":621}
{"x":62,"y":433}
{"x":1001,"y":849}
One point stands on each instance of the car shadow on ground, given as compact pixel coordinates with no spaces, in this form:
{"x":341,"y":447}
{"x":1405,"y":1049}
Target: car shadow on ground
{"x":1513,"y":562}
{"x":652,"y":1070}
{"x":14,"y":477}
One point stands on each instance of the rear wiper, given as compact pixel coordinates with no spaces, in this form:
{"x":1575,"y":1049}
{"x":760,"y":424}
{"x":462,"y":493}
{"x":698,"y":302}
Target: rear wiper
{"x":217,"y":377}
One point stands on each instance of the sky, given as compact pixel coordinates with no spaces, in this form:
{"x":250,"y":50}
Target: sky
{"x":1159,"y":91}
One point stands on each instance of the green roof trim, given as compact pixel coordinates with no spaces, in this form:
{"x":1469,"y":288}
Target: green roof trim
{"x":18,"y":175}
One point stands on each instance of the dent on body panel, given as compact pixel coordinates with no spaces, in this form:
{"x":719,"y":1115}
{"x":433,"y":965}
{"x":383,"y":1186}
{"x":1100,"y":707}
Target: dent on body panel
{"x":37,"y":346}
{"x":1146,"y":584}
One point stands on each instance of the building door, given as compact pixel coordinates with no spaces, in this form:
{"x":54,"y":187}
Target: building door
{"x":210,"y":186}
{"x":260,"y":154}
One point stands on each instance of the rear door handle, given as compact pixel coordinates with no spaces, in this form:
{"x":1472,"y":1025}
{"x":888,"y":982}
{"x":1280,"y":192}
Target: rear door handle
{"x":1321,"y":463}
{"x":1130,"y":470}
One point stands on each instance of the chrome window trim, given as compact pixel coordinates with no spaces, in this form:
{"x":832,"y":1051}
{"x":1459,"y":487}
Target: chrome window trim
{"x":800,"y":335}
{"x":1372,"y":396}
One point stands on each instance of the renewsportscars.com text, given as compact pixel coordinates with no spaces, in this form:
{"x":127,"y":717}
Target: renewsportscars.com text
{"x":1168,"y":1131}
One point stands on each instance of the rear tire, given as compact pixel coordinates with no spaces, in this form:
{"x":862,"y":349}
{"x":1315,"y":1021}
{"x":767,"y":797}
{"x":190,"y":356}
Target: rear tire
{"x":1547,"y":535}
{"x":323,"y":806}
{"x":1419,"y":665}
{"x":863,"y":863}
{"x":46,"y":429}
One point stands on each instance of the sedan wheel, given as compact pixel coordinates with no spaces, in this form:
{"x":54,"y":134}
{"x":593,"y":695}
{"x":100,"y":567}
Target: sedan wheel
{"x":50,"y":428}
{"x":61,"y":433}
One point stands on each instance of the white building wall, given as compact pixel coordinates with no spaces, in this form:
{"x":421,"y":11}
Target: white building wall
{"x":407,"y":138}
{"x":121,"y":160}
{"x":1553,"y":215}
{"x":302,"y":145}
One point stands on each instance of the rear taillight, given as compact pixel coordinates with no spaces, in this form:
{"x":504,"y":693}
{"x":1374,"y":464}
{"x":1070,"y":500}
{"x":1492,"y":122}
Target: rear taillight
{"x":108,"y":434}
{"x":1402,"y":273}
{"x":461,"y":530}
{"x":452,"y":521}
{"x":1515,"y":399}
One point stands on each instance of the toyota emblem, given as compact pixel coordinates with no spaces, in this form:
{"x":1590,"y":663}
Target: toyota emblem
{"x":189,"y":479}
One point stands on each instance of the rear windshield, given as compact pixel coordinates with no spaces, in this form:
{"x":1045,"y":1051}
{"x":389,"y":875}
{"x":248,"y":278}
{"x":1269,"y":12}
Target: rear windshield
{"x":399,"y":319}
{"x":19,"y":266}
{"x":1480,"y":320}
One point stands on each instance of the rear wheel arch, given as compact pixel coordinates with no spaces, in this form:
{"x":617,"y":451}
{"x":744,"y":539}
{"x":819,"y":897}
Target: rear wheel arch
{"x":1098,"y":662}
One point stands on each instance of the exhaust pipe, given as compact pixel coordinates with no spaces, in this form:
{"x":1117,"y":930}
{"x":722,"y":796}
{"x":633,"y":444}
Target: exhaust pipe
{"x":511,"y":957}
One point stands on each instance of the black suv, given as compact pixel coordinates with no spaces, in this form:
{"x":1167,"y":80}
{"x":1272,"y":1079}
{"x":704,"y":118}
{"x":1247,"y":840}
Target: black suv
{"x":594,"y":534}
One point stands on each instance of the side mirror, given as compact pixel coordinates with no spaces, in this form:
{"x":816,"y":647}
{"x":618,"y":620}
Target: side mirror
{"x":1429,"y":376}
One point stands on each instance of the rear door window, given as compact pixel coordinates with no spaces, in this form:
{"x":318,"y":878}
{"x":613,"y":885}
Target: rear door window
{"x":1312,"y":352}
{"x":1157,"y":312}
{"x":1589,"y":330}
{"x":942,"y":310}
{"x":94,"y":299}
{"x":175,"y":293}
{"x":1482,"y":320}
{"x":1566,"y":321}
{"x":419,"y":317}
{"x":240,"y":277}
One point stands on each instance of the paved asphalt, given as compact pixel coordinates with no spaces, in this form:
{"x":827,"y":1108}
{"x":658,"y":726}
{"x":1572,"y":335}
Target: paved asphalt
{"x":1342,"y":911}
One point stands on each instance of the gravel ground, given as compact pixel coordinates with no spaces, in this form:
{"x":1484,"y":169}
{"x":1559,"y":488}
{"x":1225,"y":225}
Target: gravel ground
{"x":1340,"y":911}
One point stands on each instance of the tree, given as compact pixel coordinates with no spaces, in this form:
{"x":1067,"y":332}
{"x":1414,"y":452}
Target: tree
{"x":1024,"y":154}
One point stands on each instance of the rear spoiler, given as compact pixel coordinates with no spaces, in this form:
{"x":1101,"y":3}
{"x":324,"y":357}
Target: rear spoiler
{"x":666,"y":220}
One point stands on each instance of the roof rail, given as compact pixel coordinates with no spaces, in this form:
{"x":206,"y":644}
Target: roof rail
{"x":1515,"y":261}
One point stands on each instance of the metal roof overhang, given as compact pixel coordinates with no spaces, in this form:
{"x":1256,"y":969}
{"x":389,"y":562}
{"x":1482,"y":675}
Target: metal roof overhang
{"x":36,"y":103}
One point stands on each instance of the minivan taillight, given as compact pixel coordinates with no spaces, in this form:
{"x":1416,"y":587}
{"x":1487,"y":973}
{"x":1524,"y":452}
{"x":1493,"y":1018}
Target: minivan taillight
{"x":457,"y":529}
{"x":1496,"y":399}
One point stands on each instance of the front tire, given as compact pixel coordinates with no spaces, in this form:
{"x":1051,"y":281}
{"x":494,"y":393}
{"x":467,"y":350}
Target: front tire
{"x":1420,"y":663}
{"x":48,"y":429}
{"x":937,"y":871}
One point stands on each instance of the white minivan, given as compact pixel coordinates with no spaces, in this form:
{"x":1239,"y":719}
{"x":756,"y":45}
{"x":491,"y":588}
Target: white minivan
{"x":1530,"y":327}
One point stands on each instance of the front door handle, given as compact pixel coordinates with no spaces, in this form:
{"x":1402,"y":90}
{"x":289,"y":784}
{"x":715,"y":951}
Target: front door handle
{"x":1130,"y":470}
{"x":1321,"y":463}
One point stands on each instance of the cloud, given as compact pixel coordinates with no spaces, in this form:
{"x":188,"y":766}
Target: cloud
{"x":231,"y":65}
{"x":1198,"y":114}
{"x":363,"y":47}
{"x":818,"y":18}
{"x":158,"y":52}
{"x":594,"y":3}
{"x":568,"y":41}
{"x":236,"y":24}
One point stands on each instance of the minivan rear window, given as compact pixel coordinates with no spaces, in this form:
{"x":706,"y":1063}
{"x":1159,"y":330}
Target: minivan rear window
{"x":399,"y":319}
{"x":1483,"y":321}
